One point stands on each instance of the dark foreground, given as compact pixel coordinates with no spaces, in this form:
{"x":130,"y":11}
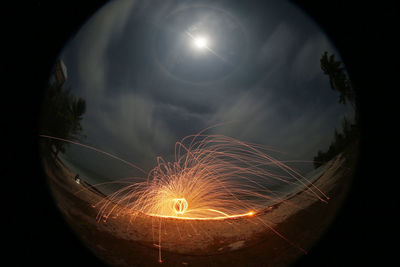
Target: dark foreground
{"x":122,"y":241}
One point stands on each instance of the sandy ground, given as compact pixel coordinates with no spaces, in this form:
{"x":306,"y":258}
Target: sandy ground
{"x":275,"y":237}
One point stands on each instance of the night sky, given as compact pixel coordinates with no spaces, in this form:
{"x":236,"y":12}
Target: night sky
{"x":147,"y":86}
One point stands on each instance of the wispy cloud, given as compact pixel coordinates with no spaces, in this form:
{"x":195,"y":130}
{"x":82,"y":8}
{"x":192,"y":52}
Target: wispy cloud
{"x":277,"y":48}
{"x":306,"y":63}
{"x":93,"y":40}
{"x":137,"y":110}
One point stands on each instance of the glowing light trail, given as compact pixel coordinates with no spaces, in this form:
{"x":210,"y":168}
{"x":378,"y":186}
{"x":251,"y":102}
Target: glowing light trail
{"x":93,"y":148}
{"x":213,"y":177}
{"x":226,"y":216}
{"x":179,"y":205}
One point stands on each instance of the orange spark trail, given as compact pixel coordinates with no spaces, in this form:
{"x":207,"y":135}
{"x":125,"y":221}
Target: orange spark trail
{"x":93,"y":148}
{"x":212,"y":177}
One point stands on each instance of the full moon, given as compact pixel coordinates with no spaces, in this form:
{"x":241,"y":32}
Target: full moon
{"x":200,"y":42}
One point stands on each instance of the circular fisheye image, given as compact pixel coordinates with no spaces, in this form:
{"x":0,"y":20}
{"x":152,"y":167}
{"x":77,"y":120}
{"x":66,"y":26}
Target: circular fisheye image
{"x":199,"y":133}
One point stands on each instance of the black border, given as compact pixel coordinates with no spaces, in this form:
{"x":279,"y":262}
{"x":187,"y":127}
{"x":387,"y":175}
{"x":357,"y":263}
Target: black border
{"x":363,"y":32}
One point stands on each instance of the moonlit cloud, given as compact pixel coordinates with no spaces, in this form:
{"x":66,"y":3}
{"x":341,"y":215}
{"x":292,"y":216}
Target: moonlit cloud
{"x":93,"y":40}
{"x":140,"y":101}
{"x":276,"y":49}
{"x":304,"y":66}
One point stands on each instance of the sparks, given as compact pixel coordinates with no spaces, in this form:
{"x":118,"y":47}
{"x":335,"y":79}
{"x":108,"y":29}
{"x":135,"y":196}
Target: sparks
{"x":213,"y":177}
{"x":223,"y":217}
{"x":179,"y":205}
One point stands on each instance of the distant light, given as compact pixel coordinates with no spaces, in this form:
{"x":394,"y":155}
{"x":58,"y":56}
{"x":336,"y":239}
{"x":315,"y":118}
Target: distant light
{"x":200,"y":42}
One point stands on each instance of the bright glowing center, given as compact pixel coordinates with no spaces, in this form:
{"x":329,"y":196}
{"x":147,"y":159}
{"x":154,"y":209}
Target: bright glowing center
{"x":179,"y":205}
{"x":200,"y":42}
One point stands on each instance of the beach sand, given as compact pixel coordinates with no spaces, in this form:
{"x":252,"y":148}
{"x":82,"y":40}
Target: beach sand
{"x":276,"y":236}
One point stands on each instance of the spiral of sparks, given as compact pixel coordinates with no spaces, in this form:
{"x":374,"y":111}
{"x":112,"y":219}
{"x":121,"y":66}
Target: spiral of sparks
{"x":212,"y":177}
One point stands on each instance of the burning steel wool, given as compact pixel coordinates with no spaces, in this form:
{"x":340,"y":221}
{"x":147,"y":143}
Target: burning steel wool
{"x":212,"y":177}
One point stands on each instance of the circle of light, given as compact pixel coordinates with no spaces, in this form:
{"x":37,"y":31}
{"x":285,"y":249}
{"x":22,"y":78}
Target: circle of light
{"x":179,"y":205}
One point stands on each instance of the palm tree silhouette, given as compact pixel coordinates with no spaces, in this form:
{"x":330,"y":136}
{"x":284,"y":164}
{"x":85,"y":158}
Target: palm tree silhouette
{"x":62,"y":114}
{"x":337,"y":78}
{"x":349,"y":132}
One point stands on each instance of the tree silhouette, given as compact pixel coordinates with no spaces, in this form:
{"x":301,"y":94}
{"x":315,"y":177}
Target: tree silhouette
{"x":337,"y":78}
{"x":62,"y":114}
{"x":342,"y":140}
{"x":349,"y":132}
